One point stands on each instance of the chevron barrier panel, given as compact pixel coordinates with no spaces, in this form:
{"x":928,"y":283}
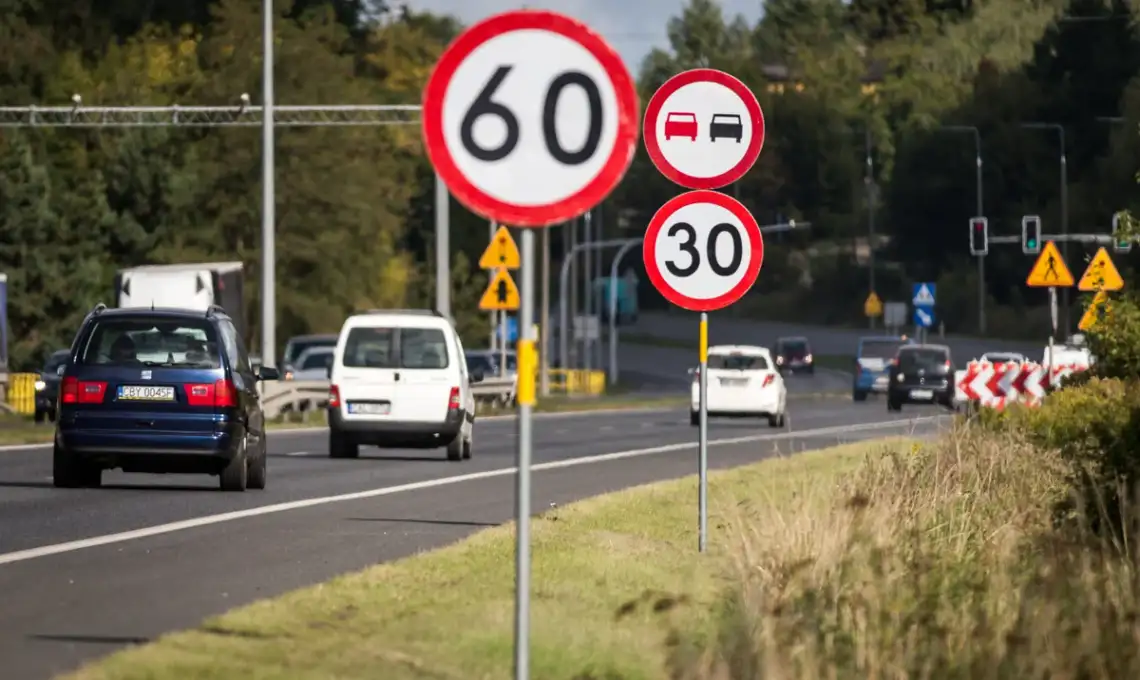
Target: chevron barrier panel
{"x":997,"y":385}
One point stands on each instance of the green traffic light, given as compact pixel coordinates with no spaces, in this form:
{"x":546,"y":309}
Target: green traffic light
{"x":1032,"y":243}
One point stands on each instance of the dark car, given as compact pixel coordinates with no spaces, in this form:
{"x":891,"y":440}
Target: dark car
{"x":923,"y":374}
{"x":794,"y":354}
{"x":298,"y":344}
{"x":160,"y":391}
{"x":47,"y":386}
{"x":726,"y":126}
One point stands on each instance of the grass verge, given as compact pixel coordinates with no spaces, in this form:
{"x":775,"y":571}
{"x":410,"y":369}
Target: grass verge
{"x":611,"y":576}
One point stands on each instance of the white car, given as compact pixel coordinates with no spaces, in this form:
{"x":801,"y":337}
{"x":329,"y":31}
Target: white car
{"x":399,"y":380}
{"x":742,"y":380}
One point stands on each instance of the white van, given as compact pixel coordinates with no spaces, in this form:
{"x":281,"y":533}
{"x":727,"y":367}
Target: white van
{"x":399,"y":380}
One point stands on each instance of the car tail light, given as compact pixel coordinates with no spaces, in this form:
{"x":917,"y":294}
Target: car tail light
{"x":76,"y":391}
{"x":334,"y":396}
{"x":768,"y":380}
{"x":453,"y":400}
{"x":219,"y":394}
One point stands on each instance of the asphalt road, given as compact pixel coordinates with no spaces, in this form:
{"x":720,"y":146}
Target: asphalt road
{"x":724,"y":329}
{"x":76,"y":587}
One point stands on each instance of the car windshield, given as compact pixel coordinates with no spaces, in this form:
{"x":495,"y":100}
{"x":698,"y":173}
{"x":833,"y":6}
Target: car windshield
{"x":879,"y":349}
{"x":738,"y":362}
{"x":794,"y":348}
{"x":297,"y":347}
{"x":180,"y":343}
{"x":725,"y":118}
{"x":682,"y":117}
{"x":316,"y":360}
{"x":54,"y":362}
{"x":370,"y":347}
{"x":922,"y":358}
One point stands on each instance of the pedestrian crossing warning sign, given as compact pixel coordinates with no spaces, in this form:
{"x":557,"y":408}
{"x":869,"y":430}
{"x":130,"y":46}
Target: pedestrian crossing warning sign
{"x":1049,"y":271}
{"x":502,"y":295}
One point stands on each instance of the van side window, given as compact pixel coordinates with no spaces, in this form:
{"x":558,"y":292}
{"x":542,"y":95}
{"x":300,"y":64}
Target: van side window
{"x":229,"y":346}
{"x":242,"y":354}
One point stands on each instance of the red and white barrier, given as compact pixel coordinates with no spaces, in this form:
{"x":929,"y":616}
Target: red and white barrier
{"x":997,"y":385}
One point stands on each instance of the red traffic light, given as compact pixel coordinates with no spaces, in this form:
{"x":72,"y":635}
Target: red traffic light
{"x":979,"y":225}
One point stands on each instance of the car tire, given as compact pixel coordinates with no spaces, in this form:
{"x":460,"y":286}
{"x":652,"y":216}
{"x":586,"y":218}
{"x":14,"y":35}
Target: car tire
{"x":776,"y":420}
{"x":859,"y":395}
{"x":39,"y":416}
{"x":71,"y":472}
{"x":694,"y":419}
{"x":259,"y":466}
{"x":893,"y":404}
{"x":455,"y":448}
{"x":468,"y":445}
{"x":235,"y":475}
{"x":341,"y":446}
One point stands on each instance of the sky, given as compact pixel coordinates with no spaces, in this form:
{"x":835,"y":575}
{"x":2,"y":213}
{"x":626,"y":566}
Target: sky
{"x":632,"y":27}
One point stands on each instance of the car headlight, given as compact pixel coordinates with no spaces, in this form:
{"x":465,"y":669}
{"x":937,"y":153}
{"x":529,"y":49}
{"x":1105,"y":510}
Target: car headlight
{"x":807,"y":359}
{"x":40,"y":385}
{"x":288,"y":375}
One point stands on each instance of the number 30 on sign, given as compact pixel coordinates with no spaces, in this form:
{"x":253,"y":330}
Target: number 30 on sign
{"x":703,"y":250}
{"x":530,"y":118}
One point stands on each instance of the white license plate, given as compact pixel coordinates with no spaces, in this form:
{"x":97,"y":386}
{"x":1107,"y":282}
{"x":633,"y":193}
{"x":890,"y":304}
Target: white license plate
{"x":369,"y":409}
{"x":881,"y":380}
{"x":921,"y":394}
{"x":733,"y":382}
{"x":146,"y":393}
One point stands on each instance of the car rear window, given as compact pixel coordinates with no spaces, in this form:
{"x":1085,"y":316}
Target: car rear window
{"x":738,"y":362}
{"x":794,"y":348}
{"x":175,"y":343}
{"x":370,"y":347}
{"x":317,"y":360}
{"x":922,"y":358}
{"x":879,"y":349}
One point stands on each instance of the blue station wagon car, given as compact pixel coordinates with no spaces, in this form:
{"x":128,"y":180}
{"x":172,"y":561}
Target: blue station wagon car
{"x":160,"y":391}
{"x":872,"y":364}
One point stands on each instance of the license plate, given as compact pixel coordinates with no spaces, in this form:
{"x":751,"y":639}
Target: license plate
{"x":921,"y":394}
{"x":369,"y":409}
{"x":881,"y":380}
{"x":146,"y":393}
{"x":733,"y":382}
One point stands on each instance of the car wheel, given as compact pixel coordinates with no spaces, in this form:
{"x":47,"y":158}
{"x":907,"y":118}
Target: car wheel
{"x":71,"y":472}
{"x":694,"y":419}
{"x":859,"y":395}
{"x":776,"y":420}
{"x":455,"y":448}
{"x":893,"y":404}
{"x":39,"y":416}
{"x":341,"y":446}
{"x":235,"y":476}
{"x":259,"y":466}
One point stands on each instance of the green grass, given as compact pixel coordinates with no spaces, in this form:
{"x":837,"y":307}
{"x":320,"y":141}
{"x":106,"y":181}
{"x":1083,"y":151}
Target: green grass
{"x":611,"y":576}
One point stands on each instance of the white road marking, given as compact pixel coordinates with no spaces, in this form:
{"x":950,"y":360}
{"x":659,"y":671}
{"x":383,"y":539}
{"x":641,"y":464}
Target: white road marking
{"x":298,"y":454}
{"x":208,"y":520}
{"x":479,"y":419}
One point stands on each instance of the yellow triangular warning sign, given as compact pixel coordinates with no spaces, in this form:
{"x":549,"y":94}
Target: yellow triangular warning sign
{"x":502,"y":295}
{"x":1049,"y":271}
{"x":1096,"y":313}
{"x":501,"y":253}
{"x":873,"y":306}
{"x":1101,"y":274}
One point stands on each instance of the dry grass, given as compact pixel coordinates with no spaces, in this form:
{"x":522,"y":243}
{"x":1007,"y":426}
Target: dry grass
{"x":883,"y":560}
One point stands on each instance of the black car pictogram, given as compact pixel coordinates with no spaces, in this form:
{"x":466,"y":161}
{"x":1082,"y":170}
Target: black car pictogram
{"x":726,"y":125}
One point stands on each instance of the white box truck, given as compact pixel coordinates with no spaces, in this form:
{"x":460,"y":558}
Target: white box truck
{"x":185,"y":286}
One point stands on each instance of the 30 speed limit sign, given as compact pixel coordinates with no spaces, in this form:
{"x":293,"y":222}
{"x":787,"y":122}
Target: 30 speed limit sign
{"x":703,"y":250}
{"x":530,"y":118}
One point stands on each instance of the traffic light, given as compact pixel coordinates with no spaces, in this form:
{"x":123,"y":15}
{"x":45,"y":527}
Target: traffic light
{"x":1122,"y":244}
{"x":1030,"y":234}
{"x":979,"y":236}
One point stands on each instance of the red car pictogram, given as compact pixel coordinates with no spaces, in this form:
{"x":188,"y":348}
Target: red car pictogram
{"x":679,"y":124}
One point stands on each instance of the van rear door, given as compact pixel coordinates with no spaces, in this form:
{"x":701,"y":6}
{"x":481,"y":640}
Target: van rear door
{"x":397,"y":374}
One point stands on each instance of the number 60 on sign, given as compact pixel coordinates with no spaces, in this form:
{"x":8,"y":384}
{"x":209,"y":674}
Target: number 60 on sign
{"x":703,"y":250}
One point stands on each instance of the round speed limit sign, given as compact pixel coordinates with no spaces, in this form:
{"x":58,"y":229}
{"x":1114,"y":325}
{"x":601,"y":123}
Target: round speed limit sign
{"x":703,"y":250}
{"x":530,"y":118}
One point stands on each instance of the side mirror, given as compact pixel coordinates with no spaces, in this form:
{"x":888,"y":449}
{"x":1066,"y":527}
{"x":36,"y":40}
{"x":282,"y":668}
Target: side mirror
{"x":60,"y":370}
{"x":267,"y":373}
{"x":691,"y":371}
{"x":475,"y":376}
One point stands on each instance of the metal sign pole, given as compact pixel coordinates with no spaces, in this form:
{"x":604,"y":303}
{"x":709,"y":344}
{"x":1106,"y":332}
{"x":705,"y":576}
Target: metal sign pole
{"x":526,"y":397}
{"x":703,"y":430}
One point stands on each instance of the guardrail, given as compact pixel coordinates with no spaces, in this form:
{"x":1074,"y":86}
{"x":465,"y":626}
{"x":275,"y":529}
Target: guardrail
{"x":279,"y":397}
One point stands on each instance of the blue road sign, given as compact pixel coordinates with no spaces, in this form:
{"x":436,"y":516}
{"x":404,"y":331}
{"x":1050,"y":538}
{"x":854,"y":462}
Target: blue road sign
{"x":923,"y":295}
{"x":512,"y":329}
{"x":923,"y":317}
